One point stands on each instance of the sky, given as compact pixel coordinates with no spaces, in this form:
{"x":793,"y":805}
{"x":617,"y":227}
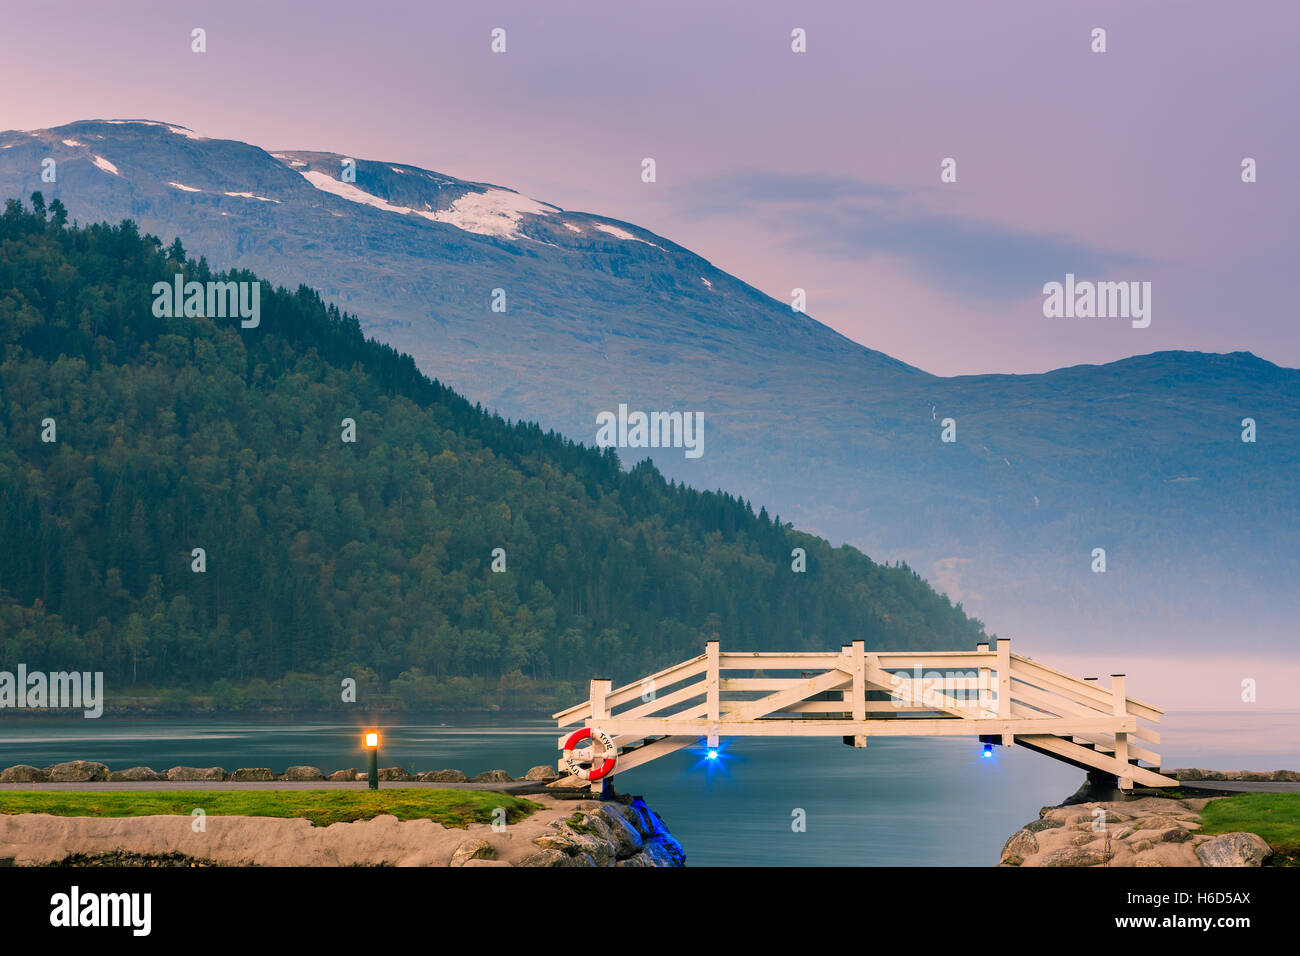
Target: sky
{"x":817,"y":170}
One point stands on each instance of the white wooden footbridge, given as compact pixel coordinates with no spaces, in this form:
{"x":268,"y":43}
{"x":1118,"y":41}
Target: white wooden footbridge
{"x":987,"y":693}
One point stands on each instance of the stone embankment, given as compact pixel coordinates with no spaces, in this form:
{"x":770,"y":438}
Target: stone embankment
{"x":569,"y":830}
{"x":563,"y":833}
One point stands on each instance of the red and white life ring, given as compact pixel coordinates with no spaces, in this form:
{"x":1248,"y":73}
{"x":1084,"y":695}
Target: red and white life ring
{"x":574,"y":759}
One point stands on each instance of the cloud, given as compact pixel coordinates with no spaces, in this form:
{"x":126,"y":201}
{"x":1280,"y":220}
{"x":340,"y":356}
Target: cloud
{"x":850,"y":219}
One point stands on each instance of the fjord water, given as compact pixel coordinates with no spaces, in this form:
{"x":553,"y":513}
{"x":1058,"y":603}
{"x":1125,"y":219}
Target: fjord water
{"x":897,"y":802}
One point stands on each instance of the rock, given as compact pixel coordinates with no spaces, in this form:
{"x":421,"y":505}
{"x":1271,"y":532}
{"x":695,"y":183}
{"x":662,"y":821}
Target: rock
{"x":1081,"y":839}
{"x":134,"y":774}
{"x":1292,"y":776}
{"x":1234,"y":849}
{"x":577,"y":845}
{"x":544,"y":772}
{"x":303,"y":773}
{"x":493,"y":776}
{"x":473,"y":850}
{"x":442,"y":776}
{"x":1019,"y":845}
{"x":348,"y":774}
{"x":626,"y":840}
{"x":660,"y":854}
{"x":545,"y":857}
{"x":1074,"y":856}
{"x":1176,"y":835}
{"x":77,"y":771}
{"x":1044,"y":824}
{"x":568,"y":782}
{"x":394,"y":773}
{"x":23,"y":773}
{"x":250,"y":774}
{"x":197,"y":773}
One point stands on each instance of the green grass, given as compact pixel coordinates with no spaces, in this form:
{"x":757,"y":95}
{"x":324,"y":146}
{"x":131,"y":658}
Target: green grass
{"x":451,"y":808}
{"x":1274,"y":816}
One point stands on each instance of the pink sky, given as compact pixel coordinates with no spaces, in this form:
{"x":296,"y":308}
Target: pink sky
{"x":816,"y":170}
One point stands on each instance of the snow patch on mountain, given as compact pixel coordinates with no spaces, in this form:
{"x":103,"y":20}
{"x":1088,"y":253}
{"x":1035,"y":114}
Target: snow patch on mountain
{"x":188,"y":189}
{"x":253,"y":196}
{"x":622,"y":234}
{"x":493,"y":212}
{"x":106,"y":166}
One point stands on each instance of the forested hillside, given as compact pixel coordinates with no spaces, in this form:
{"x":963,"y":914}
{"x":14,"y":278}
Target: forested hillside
{"x":371,"y":559}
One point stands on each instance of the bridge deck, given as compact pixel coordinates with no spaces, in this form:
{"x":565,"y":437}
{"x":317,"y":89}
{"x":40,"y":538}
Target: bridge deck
{"x":854,"y":695}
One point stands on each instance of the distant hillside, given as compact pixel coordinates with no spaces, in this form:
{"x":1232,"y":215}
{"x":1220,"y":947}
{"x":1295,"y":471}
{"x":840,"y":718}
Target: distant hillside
{"x":1141,"y":457}
{"x":372,"y":559}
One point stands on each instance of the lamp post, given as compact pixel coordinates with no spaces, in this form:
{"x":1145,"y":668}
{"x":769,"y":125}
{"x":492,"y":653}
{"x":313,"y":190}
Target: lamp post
{"x":372,"y":745}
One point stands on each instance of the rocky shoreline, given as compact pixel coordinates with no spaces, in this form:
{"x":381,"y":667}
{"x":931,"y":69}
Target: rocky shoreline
{"x":571,"y":829}
{"x":1152,"y":830}
{"x":562,"y":834}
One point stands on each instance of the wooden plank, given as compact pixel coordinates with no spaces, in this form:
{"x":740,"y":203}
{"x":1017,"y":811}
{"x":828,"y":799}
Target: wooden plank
{"x":664,"y":678}
{"x":1137,"y":707}
{"x":879,"y":727}
{"x":664,"y":701}
{"x":749,"y":710}
{"x":712,"y":689}
{"x":856,"y":657}
{"x":1117,"y":682}
{"x":776,"y":662}
{"x":1098,"y":761}
{"x":651,"y":751}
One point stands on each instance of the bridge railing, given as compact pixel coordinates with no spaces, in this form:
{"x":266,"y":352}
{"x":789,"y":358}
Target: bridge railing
{"x":855,"y":694}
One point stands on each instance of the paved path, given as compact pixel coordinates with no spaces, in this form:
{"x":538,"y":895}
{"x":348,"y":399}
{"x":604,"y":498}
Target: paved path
{"x":518,"y":786}
{"x":1246,"y":786}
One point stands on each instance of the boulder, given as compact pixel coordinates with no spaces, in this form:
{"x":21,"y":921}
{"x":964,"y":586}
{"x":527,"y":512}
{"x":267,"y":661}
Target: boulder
{"x":134,"y":774}
{"x":394,"y":773}
{"x":349,"y":774}
{"x":1074,"y":856}
{"x":543,"y":772}
{"x":1038,"y":826}
{"x":1234,"y":849}
{"x":23,"y":773}
{"x":473,"y":850}
{"x":441,"y":776}
{"x":1292,"y":776}
{"x":492,"y":776}
{"x":197,"y":773}
{"x":251,"y":774}
{"x":77,"y":771}
{"x":545,"y":857}
{"x":303,"y":773}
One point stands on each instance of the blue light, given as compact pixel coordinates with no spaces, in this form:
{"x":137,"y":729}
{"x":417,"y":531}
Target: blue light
{"x":713,"y":755}
{"x":988,"y":751}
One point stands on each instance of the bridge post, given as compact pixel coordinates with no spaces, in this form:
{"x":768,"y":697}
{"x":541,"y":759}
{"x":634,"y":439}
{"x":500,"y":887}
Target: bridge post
{"x":600,"y":689}
{"x":711,"y":689}
{"x":857,"y":660}
{"x":985,"y":692}
{"x":1004,"y":686}
{"x":1119,"y":701}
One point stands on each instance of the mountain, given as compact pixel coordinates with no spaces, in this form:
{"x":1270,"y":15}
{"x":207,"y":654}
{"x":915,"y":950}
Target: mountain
{"x":129,"y":439}
{"x":1142,"y":457}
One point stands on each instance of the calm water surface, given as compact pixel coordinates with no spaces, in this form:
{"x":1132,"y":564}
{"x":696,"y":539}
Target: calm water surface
{"x":897,"y":802}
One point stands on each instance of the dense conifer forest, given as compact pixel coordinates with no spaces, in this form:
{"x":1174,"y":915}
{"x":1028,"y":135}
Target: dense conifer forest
{"x":373,"y":559}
